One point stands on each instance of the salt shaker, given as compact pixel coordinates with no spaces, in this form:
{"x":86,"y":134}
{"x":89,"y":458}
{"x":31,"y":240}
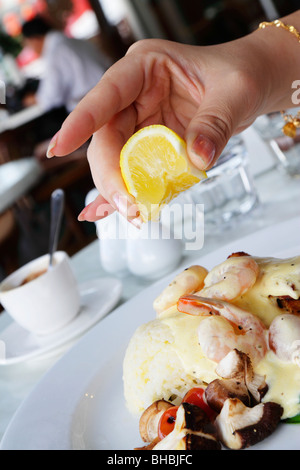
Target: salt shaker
{"x":152,"y":251}
{"x":112,"y":240}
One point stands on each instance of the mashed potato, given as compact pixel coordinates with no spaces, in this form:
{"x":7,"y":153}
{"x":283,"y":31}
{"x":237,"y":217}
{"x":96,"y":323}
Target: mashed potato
{"x":152,"y":369}
{"x":161,"y":363}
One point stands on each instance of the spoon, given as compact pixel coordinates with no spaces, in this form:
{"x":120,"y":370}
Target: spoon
{"x":57,"y":206}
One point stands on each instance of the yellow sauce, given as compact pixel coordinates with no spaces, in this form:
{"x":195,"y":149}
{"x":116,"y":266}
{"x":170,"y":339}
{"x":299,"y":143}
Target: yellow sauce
{"x":184,"y":329}
{"x":283,"y":379}
{"x":277,"y":278}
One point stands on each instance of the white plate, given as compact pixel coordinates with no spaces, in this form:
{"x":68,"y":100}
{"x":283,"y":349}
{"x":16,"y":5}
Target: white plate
{"x":79,"y":403}
{"x":97,"y":298}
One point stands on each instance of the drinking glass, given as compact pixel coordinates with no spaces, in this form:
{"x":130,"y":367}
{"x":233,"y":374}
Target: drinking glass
{"x":229,"y":191}
{"x":286,"y":150}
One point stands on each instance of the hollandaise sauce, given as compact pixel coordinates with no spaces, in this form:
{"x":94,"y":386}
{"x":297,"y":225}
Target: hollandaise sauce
{"x":277,"y":277}
{"x":283,"y":380}
{"x":184,"y":329}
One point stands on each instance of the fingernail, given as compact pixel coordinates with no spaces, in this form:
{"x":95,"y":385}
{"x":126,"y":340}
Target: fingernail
{"x":51,"y":146}
{"x":204,"y":149}
{"x":82,"y":214}
{"x":126,"y":207}
{"x":121,"y":204}
{"x":137,"y":222}
{"x":103,"y":210}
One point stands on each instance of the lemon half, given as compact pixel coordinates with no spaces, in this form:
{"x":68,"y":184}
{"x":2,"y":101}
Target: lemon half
{"x":155,"y":168}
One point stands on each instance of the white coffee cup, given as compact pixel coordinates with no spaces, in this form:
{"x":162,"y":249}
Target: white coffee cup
{"x":48,"y":302}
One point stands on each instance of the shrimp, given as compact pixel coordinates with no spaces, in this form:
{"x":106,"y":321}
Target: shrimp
{"x":227,"y":327}
{"x":284,"y":337}
{"x":231,"y":279}
{"x":186,"y":282}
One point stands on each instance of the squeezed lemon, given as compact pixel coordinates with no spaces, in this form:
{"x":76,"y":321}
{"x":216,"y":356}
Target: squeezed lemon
{"x":155,"y":168}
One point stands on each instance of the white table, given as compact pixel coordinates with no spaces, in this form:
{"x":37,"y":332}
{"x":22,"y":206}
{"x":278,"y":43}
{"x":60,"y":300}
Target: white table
{"x":16,"y":178}
{"x":279,"y":196}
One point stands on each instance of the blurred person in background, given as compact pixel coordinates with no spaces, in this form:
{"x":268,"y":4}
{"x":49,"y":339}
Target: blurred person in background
{"x":72,"y":66}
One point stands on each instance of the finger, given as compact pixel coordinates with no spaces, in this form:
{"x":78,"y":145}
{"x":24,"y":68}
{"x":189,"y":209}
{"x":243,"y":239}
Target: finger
{"x":117,"y":89}
{"x":89,"y":212}
{"x":104,"y":160}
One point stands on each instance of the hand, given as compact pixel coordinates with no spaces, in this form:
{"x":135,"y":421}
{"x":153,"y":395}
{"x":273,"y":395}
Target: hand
{"x":205,"y":94}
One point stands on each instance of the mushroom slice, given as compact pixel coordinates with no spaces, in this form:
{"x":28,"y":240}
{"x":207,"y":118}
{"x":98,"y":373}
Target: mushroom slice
{"x":219,"y":390}
{"x":238,"y":381}
{"x":148,"y":425}
{"x":256,"y":385}
{"x":192,"y":431}
{"x":240,"y":427}
{"x":233,"y":365}
{"x":149,"y":446}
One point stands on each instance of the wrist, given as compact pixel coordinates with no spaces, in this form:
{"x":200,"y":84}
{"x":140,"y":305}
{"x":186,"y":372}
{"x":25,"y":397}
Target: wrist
{"x":277,"y":59}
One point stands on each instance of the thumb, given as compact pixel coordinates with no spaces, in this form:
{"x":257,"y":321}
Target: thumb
{"x":208,"y":133}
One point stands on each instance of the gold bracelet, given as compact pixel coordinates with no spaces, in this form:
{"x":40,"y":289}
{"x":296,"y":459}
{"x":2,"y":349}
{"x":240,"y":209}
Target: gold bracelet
{"x":280,"y":24}
{"x":292,"y":122}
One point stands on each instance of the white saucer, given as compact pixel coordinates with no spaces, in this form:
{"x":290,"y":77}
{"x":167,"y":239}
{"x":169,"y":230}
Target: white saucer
{"x":98,"y":298}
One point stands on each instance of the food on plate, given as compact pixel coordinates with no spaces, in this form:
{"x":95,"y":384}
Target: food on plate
{"x":192,"y":431}
{"x":237,"y":380}
{"x":284,"y":337}
{"x":225,"y":326}
{"x":228,"y":411}
{"x":149,"y":421}
{"x":229,"y":348}
{"x":155,"y":168}
{"x":231,"y":279}
{"x":189,"y":281}
{"x":239,"y":426}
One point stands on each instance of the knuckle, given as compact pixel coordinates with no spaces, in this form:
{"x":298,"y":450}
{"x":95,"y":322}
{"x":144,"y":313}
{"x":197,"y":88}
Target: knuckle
{"x":138,"y":46}
{"x":143,"y":45}
{"x":221,"y":125}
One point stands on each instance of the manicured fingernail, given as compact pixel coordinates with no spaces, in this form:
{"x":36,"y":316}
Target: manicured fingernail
{"x":50,"y":151}
{"x":103,"y":210}
{"x":87,"y":214}
{"x":137,"y":222}
{"x":121,"y":204}
{"x":204,"y":149}
{"x":125,"y":206}
{"x":82,"y":214}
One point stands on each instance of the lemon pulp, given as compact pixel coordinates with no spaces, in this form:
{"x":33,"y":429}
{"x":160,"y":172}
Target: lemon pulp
{"x":155,"y":168}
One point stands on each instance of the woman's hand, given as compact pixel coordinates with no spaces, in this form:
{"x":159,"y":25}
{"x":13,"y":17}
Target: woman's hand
{"x":205,"y":94}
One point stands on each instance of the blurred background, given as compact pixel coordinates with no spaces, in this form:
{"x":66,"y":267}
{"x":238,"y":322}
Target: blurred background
{"x":27,"y":178}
